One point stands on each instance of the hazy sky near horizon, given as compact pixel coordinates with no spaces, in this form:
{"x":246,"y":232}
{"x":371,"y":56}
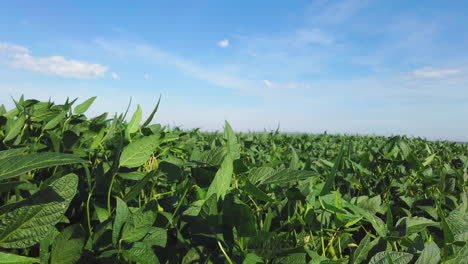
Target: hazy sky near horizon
{"x":349,"y":66}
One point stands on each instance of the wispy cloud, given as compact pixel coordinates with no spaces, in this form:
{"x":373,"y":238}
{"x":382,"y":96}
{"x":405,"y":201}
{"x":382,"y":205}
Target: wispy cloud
{"x":223,"y":43}
{"x":429,"y":72}
{"x":147,"y":76}
{"x":115,"y":76}
{"x":267,"y":83}
{"x":20,"y":57}
{"x":213,"y":75}
{"x":334,"y":12}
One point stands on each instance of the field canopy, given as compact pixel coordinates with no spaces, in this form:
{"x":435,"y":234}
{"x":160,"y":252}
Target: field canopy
{"x":75,"y":189}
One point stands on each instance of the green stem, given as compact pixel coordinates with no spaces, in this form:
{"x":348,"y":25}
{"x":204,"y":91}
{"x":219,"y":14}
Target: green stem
{"x":109,"y":195}
{"x":224,"y":253}
{"x":88,"y":216}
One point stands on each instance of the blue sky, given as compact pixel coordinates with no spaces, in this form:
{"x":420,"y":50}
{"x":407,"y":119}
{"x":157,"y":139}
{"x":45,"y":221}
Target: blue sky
{"x":349,"y":66}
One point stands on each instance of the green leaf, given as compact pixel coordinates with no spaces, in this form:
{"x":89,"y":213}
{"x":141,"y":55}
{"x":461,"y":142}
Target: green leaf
{"x":136,"y":189}
{"x":134,"y":123}
{"x":362,"y":251}
{"x":156,"y":237}
{"x":430,"y":254}
{"x":294,"y":159}
{"x":460,"y":257}
{"x":151,"y":116}
{"x":232,"y":145}
{"x":142,"y":253}
{"x":222,"y":179}
{"x":55,"y":121}
{"x":331,"y":177}
{"x":137,"y":153}
{"x":29,"y":221}
{"x":377,"y":223}
{"x":259,"y":174}
{"x":256,"y":192}
{"x":83,"y":107}
{"x":238,"y":214}
{"x":140,"y":223}
{"x":287,"y":176}
{"x":68,"y":245}
{"x":415,"y":224}
{"x":9,"y":258}
{"x":44,"y":245}
{"x":391,"y":257}
{"x":457,"y":222}
{"x":12,"y":152}
{"x":121,"y":215}
{"x":251,"y":258}
{"x":17,"y":165}
{"x":294,"y":258}
{"x":7,"y":186}
{"x":213,"y":156}
{"x":15,"y":129}
{"x":97,"y":139}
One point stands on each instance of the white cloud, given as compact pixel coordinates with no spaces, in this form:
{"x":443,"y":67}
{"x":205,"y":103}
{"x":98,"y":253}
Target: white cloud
{"x":306,"y":36}
{"x":429,"y":72}
{"x":115,"y":76}
{"x":19,"y":57}
{"x":223,"y":43}
{"x":267,"y":83}
{"x":217,"y":76}
{"x":334,"y":12}
{"x":8,"y":48}
{"x":147,"y":76}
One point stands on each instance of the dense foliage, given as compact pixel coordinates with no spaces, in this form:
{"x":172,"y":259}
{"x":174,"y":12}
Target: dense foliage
{"x":102,"y":190}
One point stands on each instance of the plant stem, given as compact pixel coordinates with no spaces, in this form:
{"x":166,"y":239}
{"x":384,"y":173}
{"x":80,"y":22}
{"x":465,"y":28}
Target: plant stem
{"x":224,"y":253}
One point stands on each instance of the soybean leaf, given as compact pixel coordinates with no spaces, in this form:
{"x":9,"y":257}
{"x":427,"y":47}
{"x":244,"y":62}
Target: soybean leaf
{"x":251,"y":258}
{"x":98,"y":139}
{"x":430,"y":254}
{"x":391,"y":257}
{"x":121,"y":215}
{"x":232,"y":145}
{"x":238,"y":214}
{"x":362,"y":251}
{"x":142,"y":253}
{"x":294,"y":258}
{"x":151,"y":116}
{"x":12,"y":152}
{"x":29,"y":221}
{"x":457,"y":222}
{"x":136,"y":189}
{"x":140,"y":223}
{"x":134,"y":123}
{"x":331,"y":177}
{"x":294,"y":159}
{"x":83,"y":107}
{"x":374,"y":220}
{"x":68,"y":245}
{"x":17,"y":165}
{"x":55,"y":121}
{"x":44,"y":245}
{"x":156,"y":237}
{"x":15,"y":129}
{"x":10,"y":258}
{"x":213,"y":156}
{"x":260,"y":174}
{"x":460,"y":257}
{"x":222,"y":179}
{"x":256,"y":192}
{"x":286,"y":176}
{"x":6,"y":186}
{"x":415,"y":224}
{"x":137,"y":153}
